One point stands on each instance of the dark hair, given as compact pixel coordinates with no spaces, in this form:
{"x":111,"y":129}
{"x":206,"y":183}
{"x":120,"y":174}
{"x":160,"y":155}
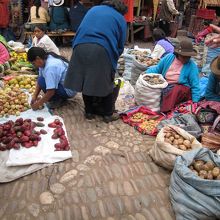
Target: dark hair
{"x":117,"y":5}
{"x":41,"y":27}
{"x":35,"y":52}
{"x":158,"y":34}
{"x":37,"y":3}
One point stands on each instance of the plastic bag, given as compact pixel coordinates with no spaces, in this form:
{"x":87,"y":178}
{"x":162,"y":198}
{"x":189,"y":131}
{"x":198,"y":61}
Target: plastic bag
{"x":163,"y":153}
{"x":192,"y":197}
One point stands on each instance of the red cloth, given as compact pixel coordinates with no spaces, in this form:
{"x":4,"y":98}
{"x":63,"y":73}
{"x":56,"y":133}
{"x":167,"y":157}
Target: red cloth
{"x":4,"y":13}
{"x":210,"y":104}
{"x":174,"y":95}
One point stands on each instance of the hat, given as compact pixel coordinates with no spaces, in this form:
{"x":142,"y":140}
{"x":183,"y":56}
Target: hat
{"x":58,"y":2}
{"x":215,"y":66}
{"x":185,"y":48}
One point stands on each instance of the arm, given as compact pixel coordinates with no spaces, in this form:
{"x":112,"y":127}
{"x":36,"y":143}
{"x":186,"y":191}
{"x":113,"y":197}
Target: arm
{"x":214,"y":41}
{"x":210,"y":94}
{"x":157,"y":52}
{"x":194,"y":82}
{"x":171,"y":7}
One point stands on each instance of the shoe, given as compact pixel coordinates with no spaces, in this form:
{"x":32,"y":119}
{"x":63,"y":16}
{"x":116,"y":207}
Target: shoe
{"x":89,"y":116}
{"x":113,"y":117}
{"x":56,"y":103}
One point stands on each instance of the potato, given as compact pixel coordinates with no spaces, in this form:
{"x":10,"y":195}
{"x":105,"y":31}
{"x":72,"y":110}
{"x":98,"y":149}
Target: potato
{"x":205,"y":167}
{"x":171,"y":138}
{"x":195,"y":172}
{"x":198,"y":165}
{"x":210,"y":164}
{"x":191,"y":167}
{"x":216,"y":172}
{"x":180,"y":140}
{"x":175,"y":142}
{"x":203,"y":173}
{"x":201,"y":176}
{"x":218,"y":177}
{"x":176,"y":136}
{"x":182,"y":147}
{"x":209,"y":175}
{"x":168,"y":134}
{"x":187,"y":143}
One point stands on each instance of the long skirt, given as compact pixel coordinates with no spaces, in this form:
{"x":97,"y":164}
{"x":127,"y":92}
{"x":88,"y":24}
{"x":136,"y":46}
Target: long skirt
{"x":90,"y":71}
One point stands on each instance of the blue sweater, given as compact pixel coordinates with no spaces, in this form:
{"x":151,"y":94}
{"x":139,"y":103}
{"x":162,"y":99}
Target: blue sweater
{"x":105,"y":26}
{"x":213,"y":89}
{"x":189,"y":75}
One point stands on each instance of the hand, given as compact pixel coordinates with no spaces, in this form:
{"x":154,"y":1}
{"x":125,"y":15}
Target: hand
{"x":214,"y":41}
{"x":35,"y":106}
{"x":33,"y":100}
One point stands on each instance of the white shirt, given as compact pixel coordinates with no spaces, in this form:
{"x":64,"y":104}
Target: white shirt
{"x":158,"y":52}
{"x":46,"y":43}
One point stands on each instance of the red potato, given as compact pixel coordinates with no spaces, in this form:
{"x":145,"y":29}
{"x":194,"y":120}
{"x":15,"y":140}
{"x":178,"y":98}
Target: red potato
{"x":42,"y":131}
{"x":40,"y":119}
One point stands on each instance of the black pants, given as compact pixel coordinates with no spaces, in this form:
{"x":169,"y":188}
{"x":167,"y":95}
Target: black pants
{"x":165,"y":26}
{"x":99,"y":105}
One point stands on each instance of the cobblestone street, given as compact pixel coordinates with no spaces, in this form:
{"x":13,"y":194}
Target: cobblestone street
{"x":109,"y":177}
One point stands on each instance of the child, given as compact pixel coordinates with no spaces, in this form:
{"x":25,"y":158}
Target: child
{"x":42,"y":40}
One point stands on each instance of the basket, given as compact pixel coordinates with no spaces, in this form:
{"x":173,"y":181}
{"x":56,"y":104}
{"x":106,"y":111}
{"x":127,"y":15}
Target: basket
{"x":208,"y":14}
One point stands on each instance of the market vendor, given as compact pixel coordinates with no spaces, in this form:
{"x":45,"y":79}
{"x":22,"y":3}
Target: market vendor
{"x":182,"y":75}
{"x":42,"y":40}
{"x":52,"y":72}
{"x":213,"y":87}
{"x":162,"y":45}
{"x":4,"y":58}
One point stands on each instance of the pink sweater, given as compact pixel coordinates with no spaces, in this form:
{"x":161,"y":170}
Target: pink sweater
{"x":4,"y":55}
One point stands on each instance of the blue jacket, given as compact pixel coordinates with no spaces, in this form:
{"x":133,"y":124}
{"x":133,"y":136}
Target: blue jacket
{"x":105,"y":26}
{"x":189,"y":75}
{"x":213,"y":89}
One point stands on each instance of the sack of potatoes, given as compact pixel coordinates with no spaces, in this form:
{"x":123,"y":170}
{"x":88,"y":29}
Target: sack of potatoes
{"x":171,"y":142}
{"x":194,"y":185}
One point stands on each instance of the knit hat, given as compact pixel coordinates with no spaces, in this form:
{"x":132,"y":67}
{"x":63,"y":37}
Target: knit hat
{"x":58,"y":2}
{"x":185,"y":48}
{"x":215,"y":66}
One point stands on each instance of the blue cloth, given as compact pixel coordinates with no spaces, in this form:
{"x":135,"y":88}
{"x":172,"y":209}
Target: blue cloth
{"x":189,"y":75}
{"x":213,"y":89}
{"x":203,"y":85}
{"x":59,"y":18}
{"x":54,"y":73}
{"x":59,"y":92}
{"x":105,"y":26}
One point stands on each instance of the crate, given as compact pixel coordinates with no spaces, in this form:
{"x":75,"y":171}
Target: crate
{"x":208,"y":14}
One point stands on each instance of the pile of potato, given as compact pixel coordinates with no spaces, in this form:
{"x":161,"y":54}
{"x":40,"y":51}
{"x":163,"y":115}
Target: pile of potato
{"x":205,"y":170}
{"x":153,"y":79}
{"x":145,"y":60}
{"x":177,"y":141}
{"x":137,"y":53}
{"x":139,"y":117}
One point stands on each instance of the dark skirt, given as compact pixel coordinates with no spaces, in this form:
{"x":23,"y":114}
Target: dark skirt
{"x":90,"y":71}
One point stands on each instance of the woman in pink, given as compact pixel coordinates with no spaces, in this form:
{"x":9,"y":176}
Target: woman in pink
{"x":4,"y":58}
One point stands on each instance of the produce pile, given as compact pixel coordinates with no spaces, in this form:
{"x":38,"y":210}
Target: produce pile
{"x":138,"y":53}
{"x":22,"y":82}
{"x":205,"y":170}
{"x":153,"y":80}
{"x":19,"y":133}
{"x":176,"y":140}
{"x":139,"y":117}
{"x":121,"y":66}
{"x":13,"y":101}
{"x":145,"y":60}
{"x":59,"y":133}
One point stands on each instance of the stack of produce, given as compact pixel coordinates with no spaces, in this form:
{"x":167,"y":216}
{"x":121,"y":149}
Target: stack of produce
{"x":205,"y":170}
{"x":121,"y":66}
{"x":22,"y":82}
{"x":147,"y":61}
{"x":13,"y":101}
{"x":19,"y":133}
{"x":178,"y":141}
{"x":153,"y":80}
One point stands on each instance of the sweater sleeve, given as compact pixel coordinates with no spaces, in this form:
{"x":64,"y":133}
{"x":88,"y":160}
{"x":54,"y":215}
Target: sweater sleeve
{"x":158,"y":52}
{"x":171,"y":7}
{"x":210,"y":94}
{"x":122,"y":39}
{"x":194,"y":82}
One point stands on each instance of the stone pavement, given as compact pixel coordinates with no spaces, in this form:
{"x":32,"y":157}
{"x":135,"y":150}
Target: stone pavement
{"x":110,"y":176}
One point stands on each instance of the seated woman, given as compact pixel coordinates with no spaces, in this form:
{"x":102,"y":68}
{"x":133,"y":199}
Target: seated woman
{"x":163,"y":46}
{"x":59,"y":16}
{"x":182,"y":75}
{"x":4,"y":58}
{"x":52,"y":72}
{"x":42,"y":40}
{"x":38,"y":14}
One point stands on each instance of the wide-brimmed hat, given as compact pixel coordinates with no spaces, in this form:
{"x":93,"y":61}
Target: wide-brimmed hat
{"x":215,"y":66}
{"x":58,"y":2}
{"x":185,"y":48}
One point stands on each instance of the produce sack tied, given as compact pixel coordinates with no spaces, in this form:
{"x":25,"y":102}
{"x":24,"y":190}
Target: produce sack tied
{"x":148,"y":90}
{"x":194,"y":186}
{"x":171,"y":142}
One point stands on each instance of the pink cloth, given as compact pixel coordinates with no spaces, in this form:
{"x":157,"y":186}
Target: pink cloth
{"x":173,"y":73}
{"x":4,"y":55}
